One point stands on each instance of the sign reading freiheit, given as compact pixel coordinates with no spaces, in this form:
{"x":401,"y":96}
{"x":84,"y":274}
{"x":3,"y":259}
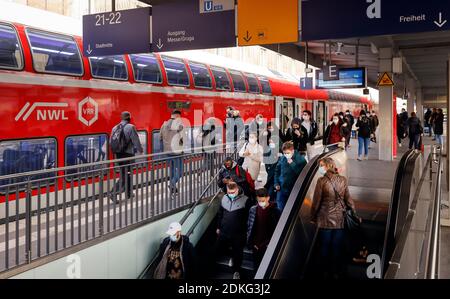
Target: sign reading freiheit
{"x":117,"y":33}
{"x":358,"y":18}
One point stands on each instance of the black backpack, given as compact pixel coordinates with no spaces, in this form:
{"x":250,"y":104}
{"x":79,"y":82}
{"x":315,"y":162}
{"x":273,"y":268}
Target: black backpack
{"x":119,"y":143}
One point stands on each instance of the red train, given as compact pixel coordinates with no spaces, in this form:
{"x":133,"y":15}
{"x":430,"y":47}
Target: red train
{"x":58,"y":107}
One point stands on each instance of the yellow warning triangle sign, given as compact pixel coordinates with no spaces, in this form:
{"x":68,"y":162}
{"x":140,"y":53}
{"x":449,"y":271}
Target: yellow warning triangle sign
{"x":385,"y":80}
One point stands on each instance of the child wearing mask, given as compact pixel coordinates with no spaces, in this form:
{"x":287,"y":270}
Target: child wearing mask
{"x":262,"y":220}
{"x":252,"y":153}
{"x":288,"y":169}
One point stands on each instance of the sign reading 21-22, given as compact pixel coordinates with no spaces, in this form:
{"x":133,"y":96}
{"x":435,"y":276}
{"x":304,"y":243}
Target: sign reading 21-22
{"x":359,"y":18}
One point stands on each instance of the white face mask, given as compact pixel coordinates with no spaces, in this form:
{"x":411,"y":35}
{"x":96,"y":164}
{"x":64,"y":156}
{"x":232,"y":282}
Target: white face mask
{"x":272,"y":145}
{"x":335,"y":121}
{"x":252,"y":140}
{"x":322,"y":170}
{"x":259,"y":122}
{"x":262,"y":204}
{"x":173,"y":238}
{"x":288,"y":155}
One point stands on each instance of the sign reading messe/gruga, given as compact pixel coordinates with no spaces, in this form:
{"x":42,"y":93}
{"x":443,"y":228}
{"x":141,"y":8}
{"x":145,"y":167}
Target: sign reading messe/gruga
{"x":117,"y":33}
{"x":193,"y":24}
{"x":332,"y":19}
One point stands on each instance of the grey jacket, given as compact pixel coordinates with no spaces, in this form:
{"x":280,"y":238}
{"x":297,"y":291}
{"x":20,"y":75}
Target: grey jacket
{"x":172,"y":137}
{"x":131,"y":136}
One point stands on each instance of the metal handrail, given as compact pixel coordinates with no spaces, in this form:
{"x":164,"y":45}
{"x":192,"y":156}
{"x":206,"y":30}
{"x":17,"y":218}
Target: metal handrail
{"x":432,"y":271}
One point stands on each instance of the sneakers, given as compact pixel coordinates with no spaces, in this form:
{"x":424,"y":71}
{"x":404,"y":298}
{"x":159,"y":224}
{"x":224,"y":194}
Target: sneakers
{"x":366,"y":158}
{"x":359,"y":158}
{"x":236,"y":275}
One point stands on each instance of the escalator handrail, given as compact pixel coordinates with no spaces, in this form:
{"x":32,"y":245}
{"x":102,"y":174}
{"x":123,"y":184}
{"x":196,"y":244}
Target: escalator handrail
{"x":290,"y":212}
{"x":390,"y":232}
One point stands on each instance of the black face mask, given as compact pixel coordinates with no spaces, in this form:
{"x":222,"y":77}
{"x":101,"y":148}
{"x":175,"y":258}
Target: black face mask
{"x":229,"y":114}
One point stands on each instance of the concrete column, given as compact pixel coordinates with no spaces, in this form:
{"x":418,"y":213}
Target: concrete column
{"x":386,"y":110}
{"x":419,"y":104}
{"x":410,"y":105}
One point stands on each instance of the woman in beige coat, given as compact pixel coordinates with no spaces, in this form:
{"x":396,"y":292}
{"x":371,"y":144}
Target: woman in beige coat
{"x":252,"y":153}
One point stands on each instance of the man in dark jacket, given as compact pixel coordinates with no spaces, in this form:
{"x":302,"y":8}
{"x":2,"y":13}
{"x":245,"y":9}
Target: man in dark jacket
{"x":415,"y":130}
{"x":288,"y":169}
{"x":298,"y":135}
{"x":311,"y":129}
{"x":232,"y":172}
{"x":439,"y":126}
{"x":364,"y":133}
{"x":404,"y":118}
{"x":176,"y":259}
{"x":232,"y":225}
{"x":262,"y":220}
{"x":427,"y":118}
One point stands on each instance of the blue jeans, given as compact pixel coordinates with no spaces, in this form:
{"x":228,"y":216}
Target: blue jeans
{"x":282,"y":197}
{"x":176,"y":170}
{"x":414,"y":140}
{"x":363,"y":144}
{"x":331,"y":250}
{"x":439,"y":139}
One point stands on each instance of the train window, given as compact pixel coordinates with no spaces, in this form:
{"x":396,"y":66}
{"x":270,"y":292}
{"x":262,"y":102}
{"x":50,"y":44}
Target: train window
{"x":176,"y":71}
{"x":265,"y":85}
{"x":253,"y":86}
{"x":54,"y":53}
{"x":157,"y":146}
{"x":202,"y":78}
{"x":143,"y":139}
{"x":18,"y":156}
{"x":10,"y":51}
{"x":85,"y":150}
{"x":146,"y":68}
{"x":238,"y":81}
{"x":221,"y":78}
{"x":109,"y":67}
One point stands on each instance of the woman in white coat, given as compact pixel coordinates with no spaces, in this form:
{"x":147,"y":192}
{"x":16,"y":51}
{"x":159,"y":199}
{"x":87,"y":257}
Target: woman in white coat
{"x":252,"y":153}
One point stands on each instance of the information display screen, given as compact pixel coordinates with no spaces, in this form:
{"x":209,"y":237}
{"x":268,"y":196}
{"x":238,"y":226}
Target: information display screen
{"x":348,"y":78}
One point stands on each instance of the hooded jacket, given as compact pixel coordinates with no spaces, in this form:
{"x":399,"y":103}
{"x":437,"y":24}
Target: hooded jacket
{"x":299,"y":141}
{"x":232,"y":216}
{"x":414,"y":126}
{"x":240,"y":179}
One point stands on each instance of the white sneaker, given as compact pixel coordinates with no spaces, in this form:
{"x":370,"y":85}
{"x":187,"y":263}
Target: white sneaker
{"x":359,"y":158}
{"x":236,"y":275}
{"x":366,"y":158}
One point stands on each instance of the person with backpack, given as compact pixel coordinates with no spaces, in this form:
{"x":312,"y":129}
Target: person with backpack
{"x":125,"y":143}
{"x":415,"y":130}
{"x":364,"y":126}
{"x":288,"y":169}
{"x":375,"y":123}
{"x":232,"y":172}
{"x":172,"y":138}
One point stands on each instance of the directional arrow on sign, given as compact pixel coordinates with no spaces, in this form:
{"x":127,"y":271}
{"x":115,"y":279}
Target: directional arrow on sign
{"x":441,"y":22}
{"x":248,"y":38}
{"x":89,"y":50}
{"x":160,"y":44}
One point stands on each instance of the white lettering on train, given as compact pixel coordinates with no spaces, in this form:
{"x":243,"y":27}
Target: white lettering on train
{"x":51,"y":115}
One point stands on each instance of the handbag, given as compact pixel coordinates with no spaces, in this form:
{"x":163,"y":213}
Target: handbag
{"x":351,"y":221}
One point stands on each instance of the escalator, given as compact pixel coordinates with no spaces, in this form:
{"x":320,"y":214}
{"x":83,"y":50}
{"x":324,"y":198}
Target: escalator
{"x":292,"y":253}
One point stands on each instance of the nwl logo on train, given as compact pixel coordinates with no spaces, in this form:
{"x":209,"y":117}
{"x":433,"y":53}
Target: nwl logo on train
{"x":48,"y":111}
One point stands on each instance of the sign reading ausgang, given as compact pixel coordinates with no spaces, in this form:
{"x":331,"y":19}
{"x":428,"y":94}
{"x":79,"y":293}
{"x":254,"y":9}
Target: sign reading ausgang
{"x":116,"y":33}
{"x":357,"y":18}
{"x":193,"y":24}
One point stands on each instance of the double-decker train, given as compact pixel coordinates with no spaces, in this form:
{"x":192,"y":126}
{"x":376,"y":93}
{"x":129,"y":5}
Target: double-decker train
{"x":58,"y":107}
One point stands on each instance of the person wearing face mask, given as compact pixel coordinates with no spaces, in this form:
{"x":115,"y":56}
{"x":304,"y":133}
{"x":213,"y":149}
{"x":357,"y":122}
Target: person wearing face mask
{"x":346,"y":130}
{"x":364,"y":133}
{"x":311,"y":129}
{"x":257,"y":126}
{"x":331,"y":199}
{"x":286,"y":173}
{"x":298,"y":135}
{"x":176,"y":259}
{"x":333,"y":133}
{"x":234,"y":126}
{"x":252,"y":153}
{"x":232,"y":226}
{"x":172,"y":138}
{"x":262,"y":220}
{"x":232,"y":172}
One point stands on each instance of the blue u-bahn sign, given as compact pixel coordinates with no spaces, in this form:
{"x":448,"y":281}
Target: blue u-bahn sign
{"x":333,"y":19}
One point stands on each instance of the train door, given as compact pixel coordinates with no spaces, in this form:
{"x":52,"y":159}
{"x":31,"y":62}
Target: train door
{"x":320,"y":115}
{"x":285,"y":111}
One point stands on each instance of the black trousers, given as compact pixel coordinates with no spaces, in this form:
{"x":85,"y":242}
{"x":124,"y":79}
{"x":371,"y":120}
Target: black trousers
{"x":258,"y":255}
{"x":237,"y":244}
{"x":124,"y":184}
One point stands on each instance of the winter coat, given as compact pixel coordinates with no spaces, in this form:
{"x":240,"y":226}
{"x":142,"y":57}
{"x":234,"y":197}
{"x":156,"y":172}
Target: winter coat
{"x":439,"y":124}
{"x":364,"y":127}
{"x":286,"y":174}
{"x":274,"y":217}
{"x":252,"y":163}
{"x":414,"y":126}
{"x":311,"y":135}
{"x":299,"y":141}
{"x":327,"y":210}
{"x":172,"y":136}
{"x":330,"y":136}
{"x":233,"y":215}
{"x":232,"y":173}
{"x":187,"y":256}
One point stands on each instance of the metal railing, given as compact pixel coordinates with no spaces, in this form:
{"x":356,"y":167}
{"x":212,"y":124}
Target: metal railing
{"x":48,"y":211}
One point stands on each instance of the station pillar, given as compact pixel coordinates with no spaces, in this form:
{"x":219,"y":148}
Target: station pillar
{"x":410,"y":105}
{"x":386,"y":115}
{"x":419,"y":104}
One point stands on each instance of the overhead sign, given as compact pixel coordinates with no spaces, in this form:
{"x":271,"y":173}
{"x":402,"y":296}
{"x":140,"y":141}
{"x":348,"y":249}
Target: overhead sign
{"x":330,"y":72}
{"x":385,"y":80}
{"x":193,"y":24}
{"x":333,"y":19}
{"x":116,"y":33}
{"x":348,"y":78}
{"x":267,"y":22}
{"x":306,"y":83}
